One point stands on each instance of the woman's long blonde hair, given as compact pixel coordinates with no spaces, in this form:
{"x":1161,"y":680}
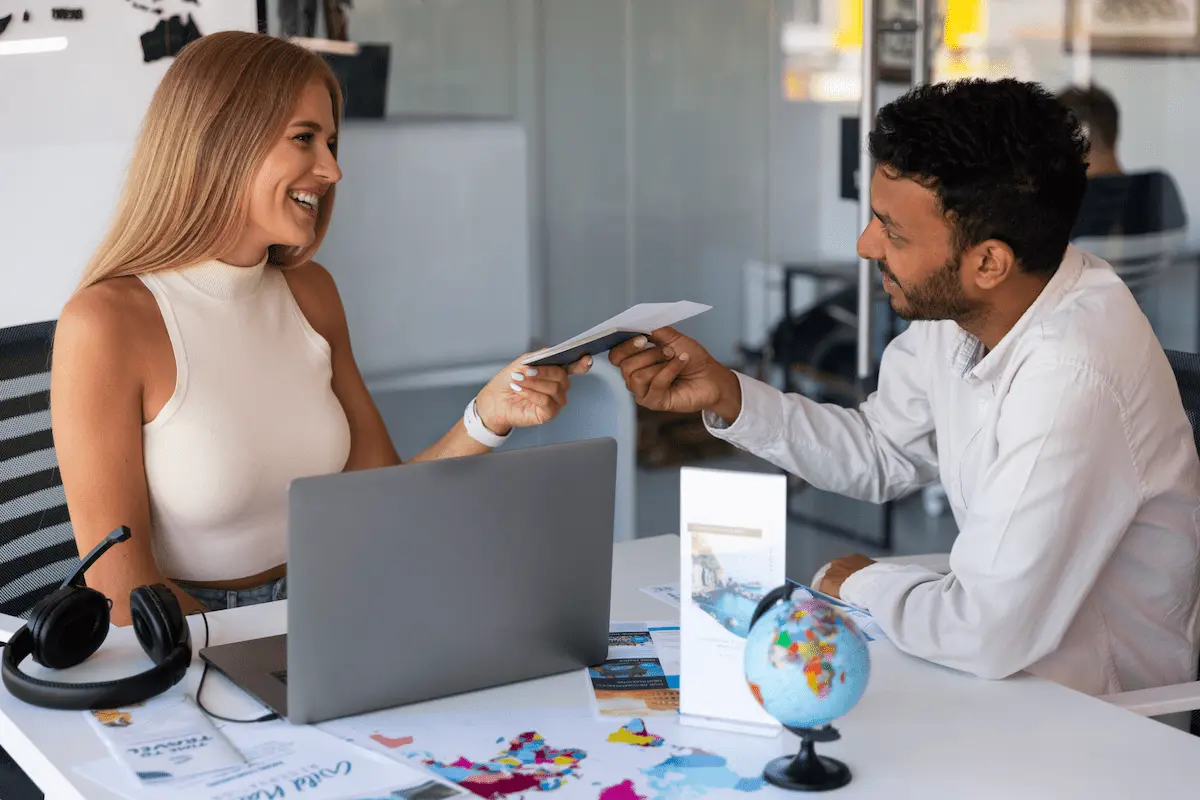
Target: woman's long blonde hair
{"x":222,"y":105}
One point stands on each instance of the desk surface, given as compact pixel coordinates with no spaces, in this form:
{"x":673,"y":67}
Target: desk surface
{"x":920,"y":731}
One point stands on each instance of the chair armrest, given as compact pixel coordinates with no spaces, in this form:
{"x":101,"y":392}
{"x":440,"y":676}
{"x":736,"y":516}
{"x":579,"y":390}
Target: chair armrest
{"x":937,"y":562}
{"x":1159,"y":701}
{"x":9,"y":625}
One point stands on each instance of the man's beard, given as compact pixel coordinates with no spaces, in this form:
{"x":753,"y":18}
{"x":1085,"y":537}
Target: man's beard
{"x":938,"y":297}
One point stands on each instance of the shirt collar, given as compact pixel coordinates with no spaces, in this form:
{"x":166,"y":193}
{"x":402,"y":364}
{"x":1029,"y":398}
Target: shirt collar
{"x":966,"y":356}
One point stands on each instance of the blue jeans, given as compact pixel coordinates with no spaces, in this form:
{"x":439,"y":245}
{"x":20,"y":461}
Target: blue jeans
{"x":221,"y":599}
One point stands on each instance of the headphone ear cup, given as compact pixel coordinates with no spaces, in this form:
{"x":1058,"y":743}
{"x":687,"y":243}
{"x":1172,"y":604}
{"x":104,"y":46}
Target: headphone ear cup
{"x":68,"y":626}
{"x":158,"y":620}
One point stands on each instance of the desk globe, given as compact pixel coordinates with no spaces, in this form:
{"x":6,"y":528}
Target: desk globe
{"x":807,"y":665}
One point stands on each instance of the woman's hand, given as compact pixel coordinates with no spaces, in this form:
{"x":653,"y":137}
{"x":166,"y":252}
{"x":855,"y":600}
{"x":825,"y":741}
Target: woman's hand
{"x":521,"y":397}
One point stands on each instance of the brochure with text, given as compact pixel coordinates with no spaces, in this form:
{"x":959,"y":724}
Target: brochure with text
{"x":733,"y":537}
{"x":640,"y":677}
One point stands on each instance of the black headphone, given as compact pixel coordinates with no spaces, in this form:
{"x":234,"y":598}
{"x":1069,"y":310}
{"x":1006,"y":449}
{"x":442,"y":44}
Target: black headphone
{"x":70,"y":624}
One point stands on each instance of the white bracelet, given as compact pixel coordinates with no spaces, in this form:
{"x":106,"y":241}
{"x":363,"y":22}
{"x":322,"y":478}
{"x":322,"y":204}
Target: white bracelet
{"x":478,"y":431}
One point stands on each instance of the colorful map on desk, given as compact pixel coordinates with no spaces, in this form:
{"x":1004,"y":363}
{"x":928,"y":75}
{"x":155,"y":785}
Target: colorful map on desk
{"x":527,"y":764}
{"x":695,"y":772}
{"x":571,"y":756}
{"x":634,"y":732}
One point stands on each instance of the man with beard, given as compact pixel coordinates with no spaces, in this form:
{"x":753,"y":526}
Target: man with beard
{"x":1029,"y":383}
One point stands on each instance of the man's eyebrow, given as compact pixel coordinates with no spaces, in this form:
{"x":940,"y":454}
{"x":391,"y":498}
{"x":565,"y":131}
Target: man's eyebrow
{"x":885,"y":219}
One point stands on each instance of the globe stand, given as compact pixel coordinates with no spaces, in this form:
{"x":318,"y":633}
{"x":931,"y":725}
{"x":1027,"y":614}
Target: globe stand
{"x":806,"y":771}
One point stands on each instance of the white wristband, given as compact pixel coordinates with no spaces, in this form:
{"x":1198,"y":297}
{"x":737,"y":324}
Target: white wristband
{"x":478,"y":431}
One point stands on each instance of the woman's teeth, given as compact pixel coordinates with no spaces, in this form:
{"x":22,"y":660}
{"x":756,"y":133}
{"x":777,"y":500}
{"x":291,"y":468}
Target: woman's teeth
{"x":307,"y":199}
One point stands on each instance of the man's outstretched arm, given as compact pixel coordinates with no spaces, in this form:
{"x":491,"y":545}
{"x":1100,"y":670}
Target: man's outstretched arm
{"x":881,"y":450}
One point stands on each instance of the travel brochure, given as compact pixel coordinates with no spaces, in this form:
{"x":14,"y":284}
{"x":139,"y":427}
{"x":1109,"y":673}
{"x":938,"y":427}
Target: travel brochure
{"x":282,"y":761}
{"x":665,"y":592}
{"x":163,"y":739}
{"x":861,"y":619}
{"x":641,"y":674}
{"x":733,"y":536}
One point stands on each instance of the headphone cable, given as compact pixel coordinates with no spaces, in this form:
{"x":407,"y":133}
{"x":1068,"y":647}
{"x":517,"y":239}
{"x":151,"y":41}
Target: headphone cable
{"x":200,"y":688}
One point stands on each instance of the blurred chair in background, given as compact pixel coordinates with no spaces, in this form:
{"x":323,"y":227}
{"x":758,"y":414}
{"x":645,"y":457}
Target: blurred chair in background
{"x":1136,"y":221}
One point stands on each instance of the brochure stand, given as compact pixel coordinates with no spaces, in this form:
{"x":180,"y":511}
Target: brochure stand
{"x":733,"y":534}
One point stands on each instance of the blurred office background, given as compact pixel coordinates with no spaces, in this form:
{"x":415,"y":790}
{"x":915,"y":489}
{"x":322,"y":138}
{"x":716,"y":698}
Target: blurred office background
{"x":518,"y":170}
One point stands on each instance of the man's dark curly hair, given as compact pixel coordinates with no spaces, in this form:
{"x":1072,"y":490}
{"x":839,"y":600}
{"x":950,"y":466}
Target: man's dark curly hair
{"x":1005,"y":159}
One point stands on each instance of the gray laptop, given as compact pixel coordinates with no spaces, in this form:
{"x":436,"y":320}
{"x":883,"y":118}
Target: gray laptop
{"x":424,"y":580}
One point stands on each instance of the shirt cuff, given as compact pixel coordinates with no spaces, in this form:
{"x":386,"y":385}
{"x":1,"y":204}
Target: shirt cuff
{"x":816,"y":579}
{"x":861,"y":587}
{"x":759,"y":421}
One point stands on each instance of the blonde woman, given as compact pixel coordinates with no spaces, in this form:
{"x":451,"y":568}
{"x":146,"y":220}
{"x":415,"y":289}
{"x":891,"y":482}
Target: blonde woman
{"x":205,"y":361}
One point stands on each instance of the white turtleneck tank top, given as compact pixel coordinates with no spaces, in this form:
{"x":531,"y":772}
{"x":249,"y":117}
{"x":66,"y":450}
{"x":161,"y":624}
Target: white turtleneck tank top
{"x":253,"y":409}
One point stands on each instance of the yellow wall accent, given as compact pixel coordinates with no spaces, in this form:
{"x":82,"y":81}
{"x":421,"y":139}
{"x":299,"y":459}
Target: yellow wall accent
{"x":849,"y":25}
{"x":966,"y":23}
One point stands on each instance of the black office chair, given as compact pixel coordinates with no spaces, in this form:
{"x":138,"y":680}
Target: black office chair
{"x":1186,"y":367}
{"x":1136,"y":222}
{"x":37,"y":545}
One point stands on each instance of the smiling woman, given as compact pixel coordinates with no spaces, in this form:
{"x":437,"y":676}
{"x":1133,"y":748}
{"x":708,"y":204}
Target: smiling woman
{"x":215,"y":138}
{"x":291,"y":196}
{"x":204,"y":363}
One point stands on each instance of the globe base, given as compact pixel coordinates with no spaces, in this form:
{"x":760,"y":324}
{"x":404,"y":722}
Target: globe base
{"x":806,"y":771}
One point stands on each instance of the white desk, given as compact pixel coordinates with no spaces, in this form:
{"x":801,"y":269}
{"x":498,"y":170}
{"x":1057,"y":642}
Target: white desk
{"x":920,"y":731}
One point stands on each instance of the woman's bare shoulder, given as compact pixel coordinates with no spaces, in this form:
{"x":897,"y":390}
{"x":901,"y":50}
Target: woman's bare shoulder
{"x":108,"y":318}
{"x":317,"y":295}
{"x":314,"y":279}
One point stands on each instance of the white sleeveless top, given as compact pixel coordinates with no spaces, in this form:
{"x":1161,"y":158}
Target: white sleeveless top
{"x":253,"y":408}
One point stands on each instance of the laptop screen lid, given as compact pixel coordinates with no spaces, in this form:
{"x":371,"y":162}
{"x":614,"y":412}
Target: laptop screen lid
{"x":424,"y":580}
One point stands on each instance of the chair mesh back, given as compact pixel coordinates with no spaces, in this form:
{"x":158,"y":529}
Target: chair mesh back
{"x":37,"y":545}
{"x":1186,"y":367}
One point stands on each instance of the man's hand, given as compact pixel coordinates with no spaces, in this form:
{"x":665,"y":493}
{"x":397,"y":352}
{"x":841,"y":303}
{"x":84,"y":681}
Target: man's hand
{"x":671,"y":372}
{"x":839,"y":570}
